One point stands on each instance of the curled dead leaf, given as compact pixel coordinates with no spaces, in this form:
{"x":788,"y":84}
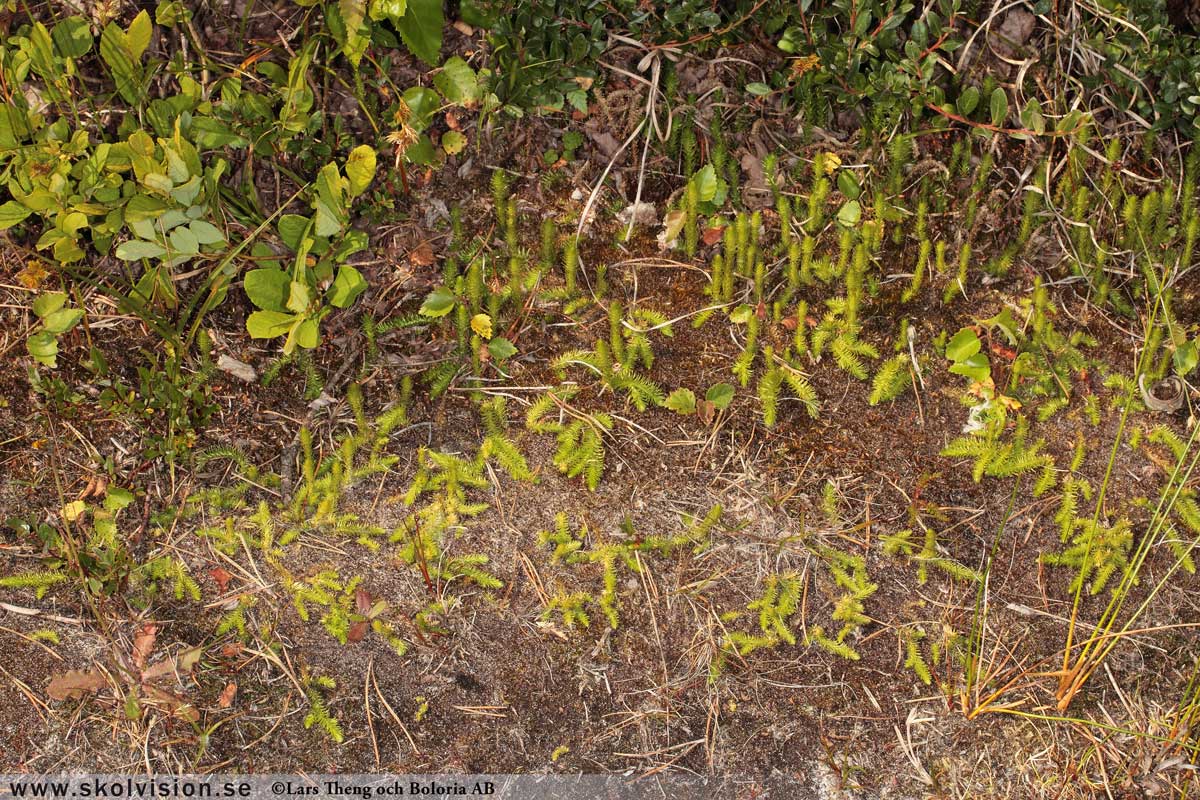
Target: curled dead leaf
{"x":96,"y":487}
{"x":608,"y":144}
{"x":1165,"y":395}
{"x":143,"y":645}
{"x":238,"y":369}
{"x":32,"y":275}
{"x":421,"y":255}
{"x":1007,"y":353}
{"x":673,"y":223}
{"x":802,"y":65}
{"x":221,"y":577}
{"x":227,"y":695}
{"x":1010,"y":403}
{"x":639,"y":213}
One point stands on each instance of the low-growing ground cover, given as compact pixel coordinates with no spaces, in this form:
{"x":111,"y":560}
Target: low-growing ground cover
{"x":357,"y":416}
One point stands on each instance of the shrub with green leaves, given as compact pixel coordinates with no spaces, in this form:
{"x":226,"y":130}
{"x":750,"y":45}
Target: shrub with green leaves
{"x":1150,"y":63}
{"x":356,"y":23}
{"x":54,"y":319}
{"x":153,"y":190}
{"x":290,"y":301}
{"x":149,"y":183}
{"x":883,"y":52}
{"x":544,"y":52}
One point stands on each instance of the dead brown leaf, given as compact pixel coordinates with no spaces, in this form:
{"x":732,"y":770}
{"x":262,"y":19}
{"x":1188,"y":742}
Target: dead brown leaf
{"x":357,"y":631}
{"x":227,"y":695}
{"x":755,"y":181}
{"x":96,"y":488}
{"x":173,"y":705}
{"x":222,"y":578}
{"x":604,"y":140}
{"x":143,"y":645}
{"x":76,"y":683}
{"x":362,"y":601}
{"x":1010,"y":35}
{"x":181,"y":664}
{"x":421,"y":255}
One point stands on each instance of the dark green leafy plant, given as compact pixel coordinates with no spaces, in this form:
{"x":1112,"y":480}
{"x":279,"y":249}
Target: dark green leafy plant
{"x":1149,"y":64}
{"x":354,"y":25}
{"x":291,"y":302}
{"x":543,"y":52}
{"x":884,"y":52}
{"x":54,"y":319}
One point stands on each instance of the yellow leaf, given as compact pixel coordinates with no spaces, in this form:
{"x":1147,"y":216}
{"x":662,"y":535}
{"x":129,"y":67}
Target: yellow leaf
{"x":803,"y":64}
{"x":1009,"y":402}
{"x":33,"y":274}
{"x":73,"y":511}
{"x":985,"y":389}
{"x":832,"y":162}
{"x":482,"y":325}
{"x":673,"y":225}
